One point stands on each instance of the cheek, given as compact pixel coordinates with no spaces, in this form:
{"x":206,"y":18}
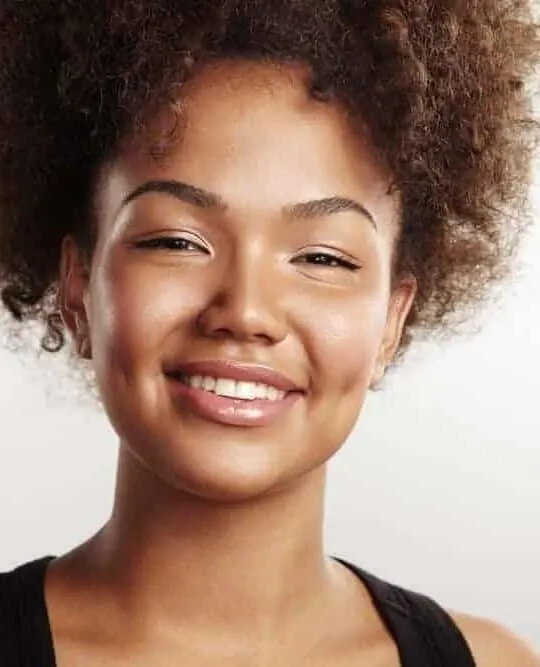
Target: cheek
{"x":345,"y":342}
{"x":134,"y":309}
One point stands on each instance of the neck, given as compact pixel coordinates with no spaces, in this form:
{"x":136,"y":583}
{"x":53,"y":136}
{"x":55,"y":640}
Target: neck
{"x":249,"y":567}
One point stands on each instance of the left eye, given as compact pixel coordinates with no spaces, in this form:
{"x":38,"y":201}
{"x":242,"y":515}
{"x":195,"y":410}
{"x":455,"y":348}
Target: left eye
{"x":327,"y":260}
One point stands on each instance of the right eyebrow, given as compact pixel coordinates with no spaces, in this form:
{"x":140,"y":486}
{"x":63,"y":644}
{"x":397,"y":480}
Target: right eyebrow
{"x":183,"y":191}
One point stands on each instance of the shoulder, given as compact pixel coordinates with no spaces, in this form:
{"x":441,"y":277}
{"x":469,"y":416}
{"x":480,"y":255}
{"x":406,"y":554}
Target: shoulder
{"x":24,"y":582}
{"x":493,"y":645}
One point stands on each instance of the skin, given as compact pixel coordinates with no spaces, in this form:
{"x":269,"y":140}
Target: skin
{"x":214,"y":550}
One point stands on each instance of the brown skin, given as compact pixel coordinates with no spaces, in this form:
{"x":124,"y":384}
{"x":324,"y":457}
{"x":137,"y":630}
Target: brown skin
{"x":214,"y":552}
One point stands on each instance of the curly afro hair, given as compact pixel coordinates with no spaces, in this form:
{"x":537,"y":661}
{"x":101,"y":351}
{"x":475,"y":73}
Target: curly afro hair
{"x":441,"y":85}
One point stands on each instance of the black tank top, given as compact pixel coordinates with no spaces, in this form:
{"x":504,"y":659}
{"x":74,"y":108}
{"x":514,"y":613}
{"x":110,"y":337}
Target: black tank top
{"x":424,"y":633}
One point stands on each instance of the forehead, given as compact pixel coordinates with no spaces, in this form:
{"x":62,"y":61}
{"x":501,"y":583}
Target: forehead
{"x":252,"y":133}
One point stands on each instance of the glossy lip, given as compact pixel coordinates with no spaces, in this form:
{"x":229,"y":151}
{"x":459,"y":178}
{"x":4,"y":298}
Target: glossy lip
{"x":234,"y":370}
{"x":230,"y":411}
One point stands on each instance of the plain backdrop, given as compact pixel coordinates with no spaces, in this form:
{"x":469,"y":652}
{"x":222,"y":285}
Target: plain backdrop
{"x":437,"y":489}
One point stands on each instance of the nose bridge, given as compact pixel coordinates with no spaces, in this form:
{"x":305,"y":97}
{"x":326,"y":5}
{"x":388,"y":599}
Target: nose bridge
{"x":246,"y":302}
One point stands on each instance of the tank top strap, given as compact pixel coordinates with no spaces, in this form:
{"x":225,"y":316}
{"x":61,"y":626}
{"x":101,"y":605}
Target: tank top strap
{"x":425,"y":634}
{"x":25,"y":636}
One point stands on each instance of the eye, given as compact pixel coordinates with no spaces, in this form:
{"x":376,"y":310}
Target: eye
{"x":327,"y":260}
{"x":174,"y":243}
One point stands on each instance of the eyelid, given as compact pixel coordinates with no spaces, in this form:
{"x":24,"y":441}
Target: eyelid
{"x":334,"y":253}
{"x":179,"y":235}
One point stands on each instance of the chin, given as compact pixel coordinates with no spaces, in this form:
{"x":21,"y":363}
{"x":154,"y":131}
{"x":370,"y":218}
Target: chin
{"x":218,"y":469}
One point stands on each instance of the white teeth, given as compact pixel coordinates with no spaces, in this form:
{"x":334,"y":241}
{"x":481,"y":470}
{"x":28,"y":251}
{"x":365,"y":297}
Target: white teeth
{"x":261,"y":390}
{"x":225,"y":387}
{"x":247,"y":391}
{"x":197,"y":381}
{"x":209,"y":384}
{"x":273,"y":393}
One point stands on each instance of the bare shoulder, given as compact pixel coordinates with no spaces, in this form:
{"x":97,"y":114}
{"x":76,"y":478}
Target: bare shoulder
{"x":493,"y":645}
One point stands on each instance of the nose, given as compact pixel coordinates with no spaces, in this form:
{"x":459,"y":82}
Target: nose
{"x":245,"y":305}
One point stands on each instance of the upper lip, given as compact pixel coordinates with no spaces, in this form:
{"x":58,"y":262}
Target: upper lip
{"x":234,"y":370}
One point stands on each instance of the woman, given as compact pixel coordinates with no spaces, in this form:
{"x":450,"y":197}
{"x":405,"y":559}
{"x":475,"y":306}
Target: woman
{"x":239,"y":212}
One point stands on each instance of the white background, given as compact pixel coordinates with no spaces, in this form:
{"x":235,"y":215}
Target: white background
{"x":438,"y":489}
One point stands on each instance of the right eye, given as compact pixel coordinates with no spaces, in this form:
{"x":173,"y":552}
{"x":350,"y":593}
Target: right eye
{"x":172,"y":243}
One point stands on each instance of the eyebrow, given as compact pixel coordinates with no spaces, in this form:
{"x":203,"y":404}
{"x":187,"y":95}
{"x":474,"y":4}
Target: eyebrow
{"x":318,"y":208}
{"x":209,"y":200}
{"x":183,"y":191}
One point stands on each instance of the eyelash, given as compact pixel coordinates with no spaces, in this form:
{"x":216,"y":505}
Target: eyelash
{"x":180,"y":244}
{"x":331,"y":261}
{"x":170,"y":243}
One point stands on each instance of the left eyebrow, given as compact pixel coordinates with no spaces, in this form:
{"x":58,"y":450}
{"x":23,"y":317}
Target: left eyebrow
{"x":328,"y":206}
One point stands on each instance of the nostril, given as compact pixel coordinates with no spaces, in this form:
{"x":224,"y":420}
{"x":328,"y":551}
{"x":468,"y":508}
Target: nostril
{"x":246,"y":317}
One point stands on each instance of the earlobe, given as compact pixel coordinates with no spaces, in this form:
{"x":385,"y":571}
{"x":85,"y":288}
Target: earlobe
{"x":377,"y":378}
{"x":70,"y":298}
{"x":400,"y":305}
{"x":84,"y":348}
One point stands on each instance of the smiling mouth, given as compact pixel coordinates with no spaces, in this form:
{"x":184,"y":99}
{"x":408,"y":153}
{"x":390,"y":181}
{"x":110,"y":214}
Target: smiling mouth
{"x":229,"y":388}
{"x":230,"y":401}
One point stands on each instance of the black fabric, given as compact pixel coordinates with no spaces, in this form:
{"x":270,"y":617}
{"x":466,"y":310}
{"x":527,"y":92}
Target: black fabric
{"x":424,"y":633}
{"x":25,"y":635}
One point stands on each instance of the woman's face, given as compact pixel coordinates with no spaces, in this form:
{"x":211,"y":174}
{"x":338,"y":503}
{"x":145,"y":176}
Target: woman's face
{"x":238,"y":306}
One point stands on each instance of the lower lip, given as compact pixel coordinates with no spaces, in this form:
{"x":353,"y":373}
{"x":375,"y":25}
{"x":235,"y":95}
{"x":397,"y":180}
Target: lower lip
{"x":232,"y":411}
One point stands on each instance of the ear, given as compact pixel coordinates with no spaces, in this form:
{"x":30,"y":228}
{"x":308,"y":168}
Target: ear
{"x":400,"y":304}
{"x":72,"y":291}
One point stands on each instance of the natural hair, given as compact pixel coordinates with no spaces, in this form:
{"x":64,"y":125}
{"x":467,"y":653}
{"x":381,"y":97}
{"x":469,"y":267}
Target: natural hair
{"x":440,"y":85}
